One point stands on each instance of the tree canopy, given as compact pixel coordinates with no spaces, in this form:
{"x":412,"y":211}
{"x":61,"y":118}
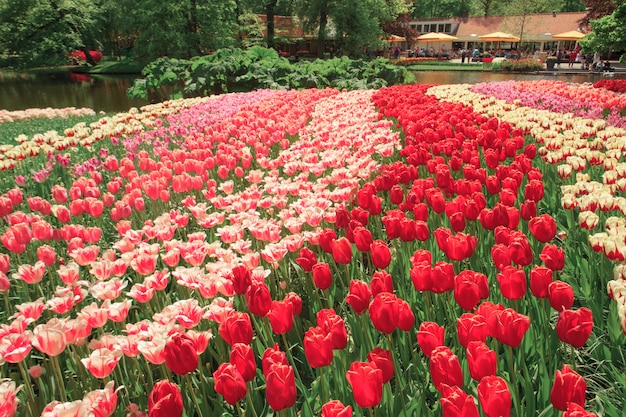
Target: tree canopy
{"x":42,"y":32}
{"x":608,"y":33}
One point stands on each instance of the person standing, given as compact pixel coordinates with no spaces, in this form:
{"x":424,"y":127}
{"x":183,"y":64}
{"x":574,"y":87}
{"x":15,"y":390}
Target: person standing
{"x":463,"y":54}
{"x":572,"y":58}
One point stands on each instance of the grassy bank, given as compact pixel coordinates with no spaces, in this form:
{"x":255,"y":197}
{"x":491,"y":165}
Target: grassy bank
{"x":11,"y":130}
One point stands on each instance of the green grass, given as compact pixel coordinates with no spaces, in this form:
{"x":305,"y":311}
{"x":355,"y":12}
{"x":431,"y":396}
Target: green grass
{"x":116,"y":67}
{"x":10,"y":130}
{"x":444,"y":66}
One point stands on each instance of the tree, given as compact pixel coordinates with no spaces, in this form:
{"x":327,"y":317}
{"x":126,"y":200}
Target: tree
{"x":433,"y":9}
{"x":598,"y":8}
{"x":356,"y":24}
{"x":517,"y":21}
{"x":42,"y":32}
{"x":608,"y":34}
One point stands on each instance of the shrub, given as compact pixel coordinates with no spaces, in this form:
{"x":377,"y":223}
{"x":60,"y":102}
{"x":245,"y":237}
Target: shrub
{"x":521,"y":65}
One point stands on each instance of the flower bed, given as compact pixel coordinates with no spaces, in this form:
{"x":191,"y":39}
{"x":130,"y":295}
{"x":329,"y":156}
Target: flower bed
{"x":393,"y":252}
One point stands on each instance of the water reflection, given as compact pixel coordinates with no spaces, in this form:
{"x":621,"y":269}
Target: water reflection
{"x":108,"y":93}
{"x":474,"y":77}
{"x":101,"y":93}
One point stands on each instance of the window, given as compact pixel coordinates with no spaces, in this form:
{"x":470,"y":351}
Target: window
{"x":440,"y":27}
{"x":447,"y":28}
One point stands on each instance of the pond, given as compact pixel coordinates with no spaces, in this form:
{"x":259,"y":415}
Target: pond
{"x":19,"y":91}
{"x":108,"y":93}
{"x":474,"y":77}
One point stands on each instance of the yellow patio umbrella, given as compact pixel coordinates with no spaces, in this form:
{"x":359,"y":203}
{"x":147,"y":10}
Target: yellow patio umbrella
{"x":499,"y":37}
{"x":436,"y":37}
{"x":572,"y":35}
{"x":395,"y":38}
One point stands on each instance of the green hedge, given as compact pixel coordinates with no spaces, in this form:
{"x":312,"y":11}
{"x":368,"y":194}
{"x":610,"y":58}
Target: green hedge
{"x":232,"y":70}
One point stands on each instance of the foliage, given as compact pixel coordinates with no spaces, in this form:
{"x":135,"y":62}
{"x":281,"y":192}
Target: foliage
{"x":521,"y":65}
{"x":163,"y":79}
{"x":229,"y":70}
{"x":30,"y":127}
{"x":41,"y":33}
{"x":608,"y":33}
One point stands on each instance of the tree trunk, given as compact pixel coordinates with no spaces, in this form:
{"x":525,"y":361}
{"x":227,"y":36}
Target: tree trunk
{"x":269,"y":12}
{"x":321,"y":38}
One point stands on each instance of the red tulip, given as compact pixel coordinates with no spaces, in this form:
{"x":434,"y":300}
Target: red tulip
{"x":307,"y":259}
{"x":511,"y":327}
{"x":442,"y":276}
{"x":540,"y":279}
{"x":445,"y":368}
{"x":512,"y":282}
{"x":366,"y":381}
{"x":281,"y":316}
{"x":501,"y":255}
{"x":296,"y":302}
{"x":396,"y":195}
{"x":575,"y":410}
{"x":574,"y":326}
{"x":421,"y":276}
{"x":362,"y":216}
{"x":335,"y":408}
{"x":242,"y":356}
{"x":181,"y":355}
{"x":482,"y":361}
{"x":528,"y":209}
{"x":280,"y":387}
{"x":259,"y":299}
{"x":229,"y":383}
{"x":521,"y":252}
{"x":359,"y":296}
{"x":494,"y":396}
{"x":381,"y":282}
{"x":325,"y":239}
{"x":318,"y":348}
{"x":362,"y":238}
{"x":457,"y":403}
{"x":241,"y":278}
{"x":560,"y":295}
{"x":236,"y":328}
{"x":553,"y":257}
{"x":165,"y":400}
{"x":271,"y":356}
{"x":334,"y":326}
{"x":322,"y":277}
{"x":341,"y":250}
{"x":543,"y":227}
{"x":381,"y":255}
{"x":383,"y":360}
{"x":384,"y":312}
{"x":534,"y":190}
{"x":469,"y":288}
{"x":429,"y":336}
{"x":406,"y":318}
{"x":568,"y":387}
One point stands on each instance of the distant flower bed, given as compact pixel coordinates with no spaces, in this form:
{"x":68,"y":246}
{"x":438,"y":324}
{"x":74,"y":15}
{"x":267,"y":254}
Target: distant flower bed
{"x":49,"y":113}
{"x":80,"y":56}
{"x":618,"y":86}
{"x":407,"y":61}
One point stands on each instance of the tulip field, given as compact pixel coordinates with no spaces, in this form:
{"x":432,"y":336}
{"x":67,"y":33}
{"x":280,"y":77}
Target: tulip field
{"x":417,"y":250}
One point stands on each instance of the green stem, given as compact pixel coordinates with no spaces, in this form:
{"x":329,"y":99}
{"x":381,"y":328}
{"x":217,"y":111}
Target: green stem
{"x":514,"y":381}
{"x":193,"y":394}
{"x":29,"y":388}
{"x":397,"y":372}
{"x":249,"y":398}
{"x":295,"y":370}
{"x":57,"y":370}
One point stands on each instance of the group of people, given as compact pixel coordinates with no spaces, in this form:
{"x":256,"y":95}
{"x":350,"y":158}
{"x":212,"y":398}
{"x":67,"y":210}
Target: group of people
{"x":591,"y":62}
